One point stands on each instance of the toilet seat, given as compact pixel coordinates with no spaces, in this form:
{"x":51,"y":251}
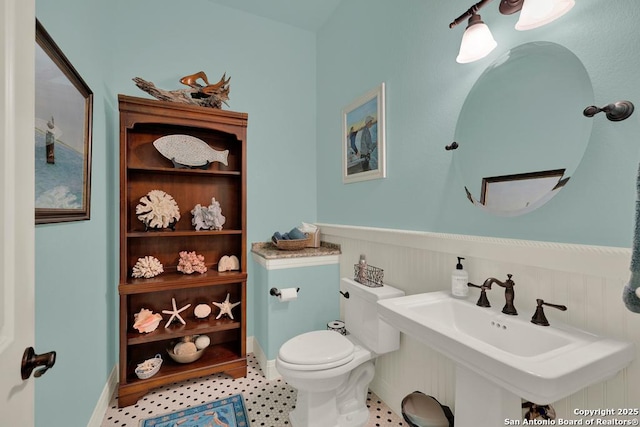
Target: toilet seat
{"x":316,"y":350}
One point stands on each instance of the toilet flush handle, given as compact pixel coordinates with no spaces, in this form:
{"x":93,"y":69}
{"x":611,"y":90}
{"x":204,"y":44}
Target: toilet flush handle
{"x":345,"y":294}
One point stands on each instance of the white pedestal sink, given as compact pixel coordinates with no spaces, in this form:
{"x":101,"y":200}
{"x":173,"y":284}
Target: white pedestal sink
{"x":500,"y":358}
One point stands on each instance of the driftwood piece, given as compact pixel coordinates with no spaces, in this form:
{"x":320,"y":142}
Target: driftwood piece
{"x":211,"y":95}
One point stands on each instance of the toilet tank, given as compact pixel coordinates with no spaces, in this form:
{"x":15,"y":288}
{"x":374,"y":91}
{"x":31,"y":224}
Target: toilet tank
{"x":361,"y":315}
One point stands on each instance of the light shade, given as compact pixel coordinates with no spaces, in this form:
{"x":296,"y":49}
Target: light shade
{"x":477,"y":41}
{"x":536,"y":13}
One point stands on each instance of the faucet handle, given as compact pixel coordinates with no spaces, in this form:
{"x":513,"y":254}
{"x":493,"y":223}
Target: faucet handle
{"x":483,"y":301}
{"x":539,"y":318}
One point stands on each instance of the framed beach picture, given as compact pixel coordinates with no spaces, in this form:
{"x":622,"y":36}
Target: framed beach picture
{"x":63,"y":121}
{"x":363,"y":138}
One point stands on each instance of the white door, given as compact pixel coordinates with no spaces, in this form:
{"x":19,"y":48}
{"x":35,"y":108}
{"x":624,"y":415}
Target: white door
{"x":17,"y":47}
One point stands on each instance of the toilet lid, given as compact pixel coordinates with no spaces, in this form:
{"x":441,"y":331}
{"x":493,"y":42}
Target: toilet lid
{"x":317,"y":348}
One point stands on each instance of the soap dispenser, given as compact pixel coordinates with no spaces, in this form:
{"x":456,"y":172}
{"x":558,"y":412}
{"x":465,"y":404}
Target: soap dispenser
{"x":459,"y":280}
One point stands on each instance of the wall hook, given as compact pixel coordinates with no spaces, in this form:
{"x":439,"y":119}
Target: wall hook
{"x":615,"y":112}
{"x":451,"y":146}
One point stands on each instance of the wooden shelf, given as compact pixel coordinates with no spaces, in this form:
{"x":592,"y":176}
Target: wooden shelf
{"x":142,"y":169}
{"x":167,"y":234}
{"x":169,"y":280}
{"x":221,"y":358}
{"x":174,"y":171}
{"x":174,"y":331}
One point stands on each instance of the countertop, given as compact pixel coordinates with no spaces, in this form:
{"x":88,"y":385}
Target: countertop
{"x":268,"y":250}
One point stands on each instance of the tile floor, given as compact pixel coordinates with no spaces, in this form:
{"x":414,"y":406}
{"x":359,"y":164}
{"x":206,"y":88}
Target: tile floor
{"x":268,"y":402}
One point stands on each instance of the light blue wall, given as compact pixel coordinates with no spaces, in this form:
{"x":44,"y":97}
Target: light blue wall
{"x":409,"y":46}
{"x":76,"y":313}
{"x":272,"y":68}
{"x":317,"y":304}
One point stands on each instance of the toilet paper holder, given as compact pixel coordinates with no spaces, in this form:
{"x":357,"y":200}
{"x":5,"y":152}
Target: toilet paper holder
{"x":276,"y":292}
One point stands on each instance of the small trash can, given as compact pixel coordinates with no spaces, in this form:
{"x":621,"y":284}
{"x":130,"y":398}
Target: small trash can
{"x":421,"y":410}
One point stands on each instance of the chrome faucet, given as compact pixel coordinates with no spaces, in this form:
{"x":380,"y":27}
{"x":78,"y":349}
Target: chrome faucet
{"x":509,"y":294}
{"x":483,"y":301}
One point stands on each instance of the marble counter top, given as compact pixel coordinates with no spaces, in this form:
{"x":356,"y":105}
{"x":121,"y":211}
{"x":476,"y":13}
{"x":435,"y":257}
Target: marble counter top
{"x":268,"y":250}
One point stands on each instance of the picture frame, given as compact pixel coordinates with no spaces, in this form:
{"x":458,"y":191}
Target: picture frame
{"x":63,"y":136}
{"x":363,"y":137}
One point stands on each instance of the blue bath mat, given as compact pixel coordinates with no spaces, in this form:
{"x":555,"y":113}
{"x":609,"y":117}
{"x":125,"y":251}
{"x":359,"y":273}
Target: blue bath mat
{"x":230,"y":412}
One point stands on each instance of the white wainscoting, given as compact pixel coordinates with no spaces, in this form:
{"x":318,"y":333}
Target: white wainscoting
{"x":587,"y":279}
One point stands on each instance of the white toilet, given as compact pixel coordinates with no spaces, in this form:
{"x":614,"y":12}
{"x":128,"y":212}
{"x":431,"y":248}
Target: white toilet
{"x":331,"y":371}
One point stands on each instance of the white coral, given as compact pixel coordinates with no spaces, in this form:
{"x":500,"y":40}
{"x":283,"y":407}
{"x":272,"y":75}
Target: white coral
{"x":208,"y":218}
{"x":158,"y":210}
{"x":147,"y":267}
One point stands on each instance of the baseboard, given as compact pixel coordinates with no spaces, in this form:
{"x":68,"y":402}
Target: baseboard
{"x":268,"y":367}
{"x":105,"y":398}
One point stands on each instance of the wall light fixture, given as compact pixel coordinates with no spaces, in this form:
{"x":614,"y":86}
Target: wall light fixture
{"x":477,"y":40}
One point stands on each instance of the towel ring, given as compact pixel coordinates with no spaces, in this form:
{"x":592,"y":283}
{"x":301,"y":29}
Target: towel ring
{"x":615,"y":112}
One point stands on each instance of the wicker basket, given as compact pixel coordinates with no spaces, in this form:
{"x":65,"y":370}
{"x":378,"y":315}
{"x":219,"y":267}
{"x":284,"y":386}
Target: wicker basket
{"x":293,"y":245}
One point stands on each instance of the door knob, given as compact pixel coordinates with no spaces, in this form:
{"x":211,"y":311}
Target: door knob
{"x":31,"y":360}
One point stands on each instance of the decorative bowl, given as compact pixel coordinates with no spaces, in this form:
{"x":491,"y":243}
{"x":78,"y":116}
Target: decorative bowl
{"x":149,"y":367}
{"x":185,"y":358}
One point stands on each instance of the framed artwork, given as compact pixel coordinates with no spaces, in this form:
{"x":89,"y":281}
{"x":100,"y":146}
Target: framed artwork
{"x":363,"y":138}
{"x":518,"y":191}
{"x":63,"y":129}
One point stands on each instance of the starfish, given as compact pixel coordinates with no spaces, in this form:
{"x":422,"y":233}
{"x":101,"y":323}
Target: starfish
{"x":175,"y":313}
{"x":225,"y":307}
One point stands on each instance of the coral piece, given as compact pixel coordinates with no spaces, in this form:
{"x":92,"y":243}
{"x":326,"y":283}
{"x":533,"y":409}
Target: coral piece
{"x":228,"y":263}
{"x":146,"y":321}
{"x":147,"y":267}
{"x":191,"y":262}
{"x":225,"y":307}
{"x":208,"y":218}
{"x":201,"y":311}
{"x":175,"y":313}
{"x":158,"y":210}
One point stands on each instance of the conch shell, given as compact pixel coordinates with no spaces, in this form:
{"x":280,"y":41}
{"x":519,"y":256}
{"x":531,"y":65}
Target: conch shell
{"x":146,"y":321}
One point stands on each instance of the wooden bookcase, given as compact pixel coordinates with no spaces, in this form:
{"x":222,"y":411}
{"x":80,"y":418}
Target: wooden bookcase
{"x":142,"y":169}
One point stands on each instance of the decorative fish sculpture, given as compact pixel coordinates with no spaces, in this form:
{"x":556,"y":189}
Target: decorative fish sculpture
{"x":189,"y":151}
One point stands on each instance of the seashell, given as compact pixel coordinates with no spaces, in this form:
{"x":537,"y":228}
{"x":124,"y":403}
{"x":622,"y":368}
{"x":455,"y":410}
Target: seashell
{"x":228,"y":263}
{"x":202,"y":341}
{"x":184,"y":348}
{"x":189,"y":151}
{"x":190,"y":262}
{"x":201,"y":311}
{"x":158,"y":210}
{"x":146,"y":321}
{"x":208,"y":218}
{"x":147,"y":267}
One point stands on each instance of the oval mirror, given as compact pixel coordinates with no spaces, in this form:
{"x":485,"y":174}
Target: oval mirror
{"x":521,"y":132}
